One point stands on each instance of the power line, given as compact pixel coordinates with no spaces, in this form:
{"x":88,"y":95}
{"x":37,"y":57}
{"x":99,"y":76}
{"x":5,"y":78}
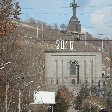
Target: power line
{"x":53,"y":13}
{"x":45,"y":13}
{"x":89,"y":6}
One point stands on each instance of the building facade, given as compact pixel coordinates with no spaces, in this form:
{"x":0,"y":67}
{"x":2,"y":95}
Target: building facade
{"x":72,"y":68}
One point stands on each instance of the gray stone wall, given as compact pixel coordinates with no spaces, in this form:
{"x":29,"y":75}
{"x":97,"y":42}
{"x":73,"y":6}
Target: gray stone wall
{"x":58,"y":68}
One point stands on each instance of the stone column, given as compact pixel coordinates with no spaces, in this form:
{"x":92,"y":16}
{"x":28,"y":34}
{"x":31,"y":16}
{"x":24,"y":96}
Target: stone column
{"x":62,"y":72}
{"x":77,"y":71}
{"x":92,"y":81}
{"x":56,"y":72}
{"x":85,"y":67}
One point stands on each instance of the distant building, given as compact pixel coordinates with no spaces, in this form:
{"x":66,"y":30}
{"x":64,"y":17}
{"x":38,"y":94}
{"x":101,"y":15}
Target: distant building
{"x":72,"y":68}
{"x":74,"y":25}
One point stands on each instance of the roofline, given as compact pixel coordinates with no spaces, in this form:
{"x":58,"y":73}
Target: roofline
{"x":57,"y":51}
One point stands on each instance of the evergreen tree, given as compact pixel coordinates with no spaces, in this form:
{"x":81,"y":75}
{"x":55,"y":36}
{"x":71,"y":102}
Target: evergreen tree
{"x":61,"y":104}
{"x":63,"y":100}
{"x":83,"y":94}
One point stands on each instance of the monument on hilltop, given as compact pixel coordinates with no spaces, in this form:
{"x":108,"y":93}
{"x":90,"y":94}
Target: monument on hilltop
{"x":74,"y":25}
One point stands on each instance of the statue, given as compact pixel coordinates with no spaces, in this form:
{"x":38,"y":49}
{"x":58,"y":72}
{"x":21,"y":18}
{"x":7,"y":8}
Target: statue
{"x":74,"y":5}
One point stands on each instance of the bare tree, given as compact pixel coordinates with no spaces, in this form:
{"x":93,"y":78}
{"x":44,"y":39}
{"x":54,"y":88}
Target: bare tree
{"x":9,"y":10}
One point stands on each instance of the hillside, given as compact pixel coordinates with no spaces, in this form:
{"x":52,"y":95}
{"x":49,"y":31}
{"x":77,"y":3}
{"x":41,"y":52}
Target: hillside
{"x":49,"y":35}
{"x":22,"y":60}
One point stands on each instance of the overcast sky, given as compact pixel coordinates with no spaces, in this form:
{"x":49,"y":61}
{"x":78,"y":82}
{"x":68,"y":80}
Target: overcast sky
{"x":94,"y":15}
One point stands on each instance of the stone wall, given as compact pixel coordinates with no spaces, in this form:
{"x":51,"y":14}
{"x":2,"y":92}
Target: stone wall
{"x":57,"y":68}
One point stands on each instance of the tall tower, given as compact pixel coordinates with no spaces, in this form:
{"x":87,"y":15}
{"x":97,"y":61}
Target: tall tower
{"x":74,"y":24}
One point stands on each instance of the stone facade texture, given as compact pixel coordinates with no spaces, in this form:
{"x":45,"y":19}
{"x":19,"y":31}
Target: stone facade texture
{"x":58,"y":71}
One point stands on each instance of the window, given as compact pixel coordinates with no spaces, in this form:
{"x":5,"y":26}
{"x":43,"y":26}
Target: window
{"x":73,"y":81}
{"x":73,"y":67}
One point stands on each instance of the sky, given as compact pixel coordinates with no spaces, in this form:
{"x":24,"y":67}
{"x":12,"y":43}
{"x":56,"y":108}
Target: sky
{"x":94,"y":15}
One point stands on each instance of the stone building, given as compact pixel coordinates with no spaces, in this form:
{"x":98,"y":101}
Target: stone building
{"x":72,"y":68}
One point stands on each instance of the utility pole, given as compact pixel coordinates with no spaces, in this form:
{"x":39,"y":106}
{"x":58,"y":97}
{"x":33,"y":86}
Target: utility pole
{"x":102,"y":45}
{"x":42,"y":30}
{"x":85,"y":39}
{"x":37,"y":32}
